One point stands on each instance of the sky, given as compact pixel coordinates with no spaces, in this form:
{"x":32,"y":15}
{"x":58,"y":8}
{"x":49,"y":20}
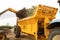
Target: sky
{"x":10,"y":18}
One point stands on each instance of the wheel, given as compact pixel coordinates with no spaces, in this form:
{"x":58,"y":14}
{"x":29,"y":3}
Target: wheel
{"x":54,"y":34}
{"x":3,"y":37}
{"x":17,"y":31}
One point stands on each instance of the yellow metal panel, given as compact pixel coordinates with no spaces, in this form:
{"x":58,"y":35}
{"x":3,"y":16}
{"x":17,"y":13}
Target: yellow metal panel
{"x":28,"y":26}
{"x":43,"y":11}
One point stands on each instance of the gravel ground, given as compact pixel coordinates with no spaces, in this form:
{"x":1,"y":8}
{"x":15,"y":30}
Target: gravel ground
{"x":10,"y":35}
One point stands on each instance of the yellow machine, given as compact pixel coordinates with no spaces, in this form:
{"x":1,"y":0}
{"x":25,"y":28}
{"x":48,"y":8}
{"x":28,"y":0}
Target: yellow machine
{"x":3,"y":35}
{"x":37,"y":24}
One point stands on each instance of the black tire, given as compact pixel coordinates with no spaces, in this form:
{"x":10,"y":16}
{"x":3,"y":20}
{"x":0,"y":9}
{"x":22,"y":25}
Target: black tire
{"x":53,"y":33}
{"x":17,"y":31}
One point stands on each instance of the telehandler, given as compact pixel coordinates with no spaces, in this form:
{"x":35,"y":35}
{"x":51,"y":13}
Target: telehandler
{"x":38,"y":24}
